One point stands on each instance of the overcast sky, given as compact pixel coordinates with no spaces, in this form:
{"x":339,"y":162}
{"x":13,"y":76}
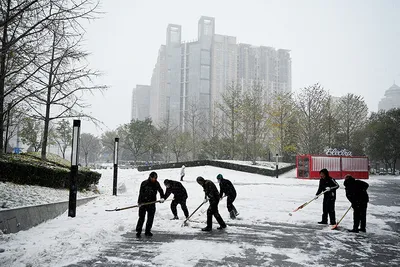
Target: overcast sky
{"x":347,"y":46}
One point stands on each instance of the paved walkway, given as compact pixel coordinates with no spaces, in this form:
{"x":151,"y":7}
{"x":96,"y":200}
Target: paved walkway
{"x":271,"y":244}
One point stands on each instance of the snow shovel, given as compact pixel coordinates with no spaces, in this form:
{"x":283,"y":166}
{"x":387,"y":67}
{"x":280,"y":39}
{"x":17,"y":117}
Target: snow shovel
{"x":305,"y":204}
{"x":187,"y":219}
{"x":137,"y":206}
{"x":336,"y":225}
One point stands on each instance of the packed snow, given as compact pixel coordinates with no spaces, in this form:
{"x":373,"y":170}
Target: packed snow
{"x":261,"y":201}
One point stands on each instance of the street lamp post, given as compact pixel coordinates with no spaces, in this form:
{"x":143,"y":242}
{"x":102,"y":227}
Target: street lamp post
{"x":115,"y":166}
{"x":73,"y":189}
{"x":277,"y":164}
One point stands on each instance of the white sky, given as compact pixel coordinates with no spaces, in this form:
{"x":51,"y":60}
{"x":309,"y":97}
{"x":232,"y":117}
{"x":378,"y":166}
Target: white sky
{"x":347,"y":46}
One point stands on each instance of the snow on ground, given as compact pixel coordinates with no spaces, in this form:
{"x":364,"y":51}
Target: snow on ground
{"x":259,"y":164}
{"x":15,"y":195}
{"x":261,"y":201}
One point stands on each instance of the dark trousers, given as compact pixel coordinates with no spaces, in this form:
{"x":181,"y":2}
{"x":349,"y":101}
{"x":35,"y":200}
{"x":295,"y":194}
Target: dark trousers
{"x":328,"y":208}
{"x":182,"y":177}
{"x":360,"y":215}
{"x":213,"y":210}
{"x":151,"y":210}
{"x":182,"y":202}
{"x":229,"y":203}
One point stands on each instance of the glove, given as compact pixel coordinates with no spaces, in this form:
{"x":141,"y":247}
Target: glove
{"x":161,"y":200}
{"x":328,"y":189}
{"x":205,"y":200}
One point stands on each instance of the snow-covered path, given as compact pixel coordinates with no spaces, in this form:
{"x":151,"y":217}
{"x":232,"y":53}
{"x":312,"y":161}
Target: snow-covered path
{"x":263,"y":235}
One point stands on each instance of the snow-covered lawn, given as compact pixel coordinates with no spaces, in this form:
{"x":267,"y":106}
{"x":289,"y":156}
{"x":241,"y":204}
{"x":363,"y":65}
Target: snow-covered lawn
{"x":261,"y":201}
{"x":14,"y":195}
{"x":260,"y":164}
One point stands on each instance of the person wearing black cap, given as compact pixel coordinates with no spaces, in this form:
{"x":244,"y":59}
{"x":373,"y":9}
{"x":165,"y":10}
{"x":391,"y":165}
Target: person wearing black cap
{"x":227,"y":188}
{"x":180,"y":196}
{"x":212,"y":195}
{"x":148,"y":193}
{"x":356,"y":193}
{"x":327,"y":183}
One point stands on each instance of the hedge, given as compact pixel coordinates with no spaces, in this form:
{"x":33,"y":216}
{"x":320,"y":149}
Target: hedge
{"x":43,"y":173}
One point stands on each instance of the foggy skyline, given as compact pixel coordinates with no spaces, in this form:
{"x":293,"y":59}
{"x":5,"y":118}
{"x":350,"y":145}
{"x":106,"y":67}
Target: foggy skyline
{"x":346,"y":46}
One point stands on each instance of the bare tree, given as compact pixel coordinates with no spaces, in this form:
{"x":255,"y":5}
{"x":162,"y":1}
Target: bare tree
{"x":63,"y":135}
{"x":31,"y":133}
{"x":108,"y":139}
{"x":137,"y":138}
{"x":353,"y":115}
{"x":231,"y":104}
{"x":281,"y":111}
{"x":166,"y":132}
{"x":89,"y":147}
{"x":23,"y":34}
{"x":254,"y":120}
{"x":312,"y":104}
{"x":193,"y":118}
{"x":332,"y":121}
{"x":180,"y":144}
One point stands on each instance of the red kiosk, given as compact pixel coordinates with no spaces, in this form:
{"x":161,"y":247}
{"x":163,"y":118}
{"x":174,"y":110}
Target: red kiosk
{"x":308,"y":166}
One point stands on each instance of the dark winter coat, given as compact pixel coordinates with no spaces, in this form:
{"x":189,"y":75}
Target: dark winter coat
{"x":177,"y":189}
{"x":148,"y":191}
{"x":227,"y":188}
{"x":356,"y":191}
{"x":211,"y":191}
{"x":328,"y":182}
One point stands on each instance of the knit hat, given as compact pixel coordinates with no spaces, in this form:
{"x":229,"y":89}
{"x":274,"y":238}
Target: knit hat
{"x":219,"y":176}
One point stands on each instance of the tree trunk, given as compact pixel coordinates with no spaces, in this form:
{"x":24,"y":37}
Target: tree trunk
{"x":86,"y":158}
{"x":47,"y":116}
{"x":4,"y":49}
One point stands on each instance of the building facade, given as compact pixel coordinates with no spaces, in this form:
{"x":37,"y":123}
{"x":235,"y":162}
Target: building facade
{"x":192,"y":76}
{"x":391,"y":99}
{"x":140,"y":102}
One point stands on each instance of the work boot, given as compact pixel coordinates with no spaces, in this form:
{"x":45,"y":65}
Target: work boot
{"x":332,"y":223}
{"x":175,"y":218}
{"x":221,"y":227}
{"x":138,"y":235}
{"x":362,"y":230}
{"x":322,"y":222}
{"x":206,"y":229}
{"x":148,"y":234}
{"x":232,"y":214}
{"x":353,"y":231}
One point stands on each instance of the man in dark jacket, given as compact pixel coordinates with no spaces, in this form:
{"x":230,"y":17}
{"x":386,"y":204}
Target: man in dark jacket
{"x":356,"y":193}
{"x":227,"y":188}
{"x":148,"y":193}
{"x":327,"y":183}
{"x":212,"y":195}
{"x":180,"y":196}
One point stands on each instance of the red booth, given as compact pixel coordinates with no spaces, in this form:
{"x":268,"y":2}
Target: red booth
{"x":308,"y":166}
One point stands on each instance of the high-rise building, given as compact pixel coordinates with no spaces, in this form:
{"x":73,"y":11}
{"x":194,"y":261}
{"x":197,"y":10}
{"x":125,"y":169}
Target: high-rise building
{"x":196,"y":73}
{"x":140,"y":102}
{"x":391,"y":99}
{"x":158,"y":100}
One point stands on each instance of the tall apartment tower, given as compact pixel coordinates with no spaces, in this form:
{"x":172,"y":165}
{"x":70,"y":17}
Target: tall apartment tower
{"x":264,"y":65}
{"x":140,"y":102}
{"x":193,"y":75}
{"x":158,"y":99}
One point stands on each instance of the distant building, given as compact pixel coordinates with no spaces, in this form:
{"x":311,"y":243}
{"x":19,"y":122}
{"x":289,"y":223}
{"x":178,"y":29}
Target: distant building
{"x":391,"y":99}
{"x":198,"y":72}
{"x":140,"y":102}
